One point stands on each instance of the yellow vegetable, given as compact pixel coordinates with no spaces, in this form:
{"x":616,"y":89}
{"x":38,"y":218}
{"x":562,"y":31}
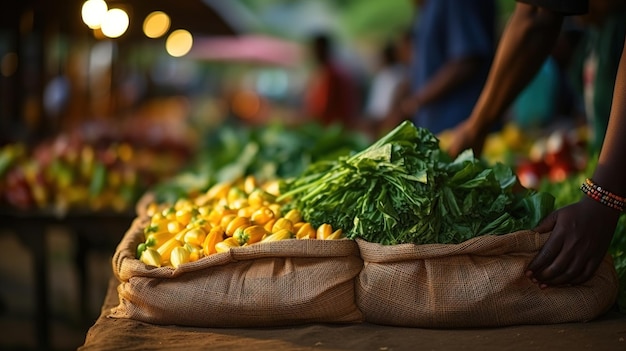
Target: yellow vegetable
{"x":324,"y":230}
{"x":195,"y":236}
{"x":165,"y":250}
{"x":152,"y":209}
{"x":180,"y":236}
{"x":259,"y":197}
{"x":204,"y":211}
{"x":226,"y":245}
{"x":236,"y":223}
{"x":269,"y":225}
{"x":195,"y":252}
{"x":262,"y":215}
{"x":157,"y":239}
{"x":156,"y":225}
{"x":337,"y":234}
{"x":238,"y":204}
{"x":174,"y":227}
{"x":246,"y":211}
{"x":282,"y":234}
{"x":226,"y":219}
{"x":178,"y":256}
{"x":306,"y":231}
{"x":293,"y":215}
{"x":217,"y":214}
{"x":151,"y":257}
{"x":217,"y":191}
{"x":249,"y":184}
{"x":234,"y":194}
{"x":169,"y":213}
{"x":216,"y":234}
{"x":282,"y":223}
{"x":183,"y":216}
{"x":272,"y":187}
{"x":195,"y":255}
{"x":276,"y":208}
{"x":249,"y":235}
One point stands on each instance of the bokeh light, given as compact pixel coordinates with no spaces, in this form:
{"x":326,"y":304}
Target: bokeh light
{"x":179,"y":43}
{"x":246,"y":104}
{"x":156,"y":24}
{"x":93,"y":12}
{"x":115,"y":23}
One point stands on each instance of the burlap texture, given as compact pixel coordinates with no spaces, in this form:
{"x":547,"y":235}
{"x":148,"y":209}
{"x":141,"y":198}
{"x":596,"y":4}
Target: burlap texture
{"x":477,"y":283}
{"x":280,"y":283}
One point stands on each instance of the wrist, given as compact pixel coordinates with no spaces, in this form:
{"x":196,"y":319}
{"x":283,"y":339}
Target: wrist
{"x":602,"y":195}
{"x":599,"y":211}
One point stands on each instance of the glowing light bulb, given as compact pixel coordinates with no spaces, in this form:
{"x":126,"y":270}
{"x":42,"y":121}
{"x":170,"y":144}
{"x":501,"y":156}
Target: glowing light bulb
{"x":115,"y":23}
{"x":93,"y":12}
{"x":179,"y":43}
{"x":156,"y":24}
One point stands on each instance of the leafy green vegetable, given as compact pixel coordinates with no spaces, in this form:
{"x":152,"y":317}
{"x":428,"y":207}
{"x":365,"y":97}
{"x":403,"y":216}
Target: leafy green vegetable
{"x":405,"y":189}
{"x":267,"y":152}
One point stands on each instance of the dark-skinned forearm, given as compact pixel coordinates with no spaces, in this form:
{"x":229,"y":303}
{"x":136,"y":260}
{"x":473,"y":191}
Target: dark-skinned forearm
{"x":611,"y":170}
{"x":526,"y":43}
{"x":450,"y":76}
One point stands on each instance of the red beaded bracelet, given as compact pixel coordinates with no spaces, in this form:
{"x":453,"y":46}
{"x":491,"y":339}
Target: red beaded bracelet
{"x":602,"y":195}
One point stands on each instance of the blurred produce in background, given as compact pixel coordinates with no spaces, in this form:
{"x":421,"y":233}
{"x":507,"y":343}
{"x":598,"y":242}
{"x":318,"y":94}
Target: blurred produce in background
{"x":85,"y":171}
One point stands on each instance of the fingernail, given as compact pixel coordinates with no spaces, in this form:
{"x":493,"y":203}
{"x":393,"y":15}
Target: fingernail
{"x":543,"y":286}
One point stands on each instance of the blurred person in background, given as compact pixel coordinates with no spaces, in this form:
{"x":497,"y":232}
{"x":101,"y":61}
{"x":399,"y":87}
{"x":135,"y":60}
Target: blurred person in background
{"x":332,"y":95}
{"x":454,"y":43}
{"x":595,"y":63}
{"x":389,"y":83}
{"x":580,"y":234}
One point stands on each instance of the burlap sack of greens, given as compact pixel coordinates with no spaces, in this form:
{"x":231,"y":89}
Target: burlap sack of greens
{"x":279,"y":283}
{"x":477,"y":283}
{"x":420,"y":218}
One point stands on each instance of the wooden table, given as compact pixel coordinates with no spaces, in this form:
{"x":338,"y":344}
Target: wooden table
{"x":607,"y":332}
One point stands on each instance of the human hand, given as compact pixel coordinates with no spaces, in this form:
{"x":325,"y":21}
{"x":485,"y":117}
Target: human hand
{"x":581,"y":235}
{"x":465,"y":136}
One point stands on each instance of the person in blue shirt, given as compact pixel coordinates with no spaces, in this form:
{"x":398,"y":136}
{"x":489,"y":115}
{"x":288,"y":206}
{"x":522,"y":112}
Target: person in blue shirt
{"x":454,"y":43}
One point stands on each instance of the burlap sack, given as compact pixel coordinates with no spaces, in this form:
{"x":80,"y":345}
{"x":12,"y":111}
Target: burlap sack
{"x":280,"y":283}
{"x":477,"y":283}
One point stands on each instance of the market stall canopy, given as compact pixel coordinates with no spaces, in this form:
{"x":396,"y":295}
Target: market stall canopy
{"x":247,"y":49}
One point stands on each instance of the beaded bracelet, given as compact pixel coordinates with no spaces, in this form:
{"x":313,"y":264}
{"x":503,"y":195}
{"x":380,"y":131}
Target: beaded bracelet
{"x":602,"y":195}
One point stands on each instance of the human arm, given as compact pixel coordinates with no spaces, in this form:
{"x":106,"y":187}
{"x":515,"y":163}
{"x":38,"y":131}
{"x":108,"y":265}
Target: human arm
{"x":451,"y":75}
{"x":525,"y":44}
{"x":582,"y":232}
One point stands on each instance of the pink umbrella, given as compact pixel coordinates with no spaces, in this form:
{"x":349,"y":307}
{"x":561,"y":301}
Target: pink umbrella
{"x":247,"y":48}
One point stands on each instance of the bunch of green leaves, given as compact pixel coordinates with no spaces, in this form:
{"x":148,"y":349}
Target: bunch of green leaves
{"x":405,"y":189}
{"x":270,"y":151}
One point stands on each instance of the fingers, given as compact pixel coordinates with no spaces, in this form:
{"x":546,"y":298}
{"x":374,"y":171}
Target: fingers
{"x":561,"y":271}
{"x":586,"y":274}
{"x":543,"y":259}
{"x":554,"y":265}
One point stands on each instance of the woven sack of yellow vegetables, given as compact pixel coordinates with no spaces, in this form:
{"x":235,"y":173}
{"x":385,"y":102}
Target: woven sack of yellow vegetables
{"x":231,"y":258}
{"x":444,"y":241}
